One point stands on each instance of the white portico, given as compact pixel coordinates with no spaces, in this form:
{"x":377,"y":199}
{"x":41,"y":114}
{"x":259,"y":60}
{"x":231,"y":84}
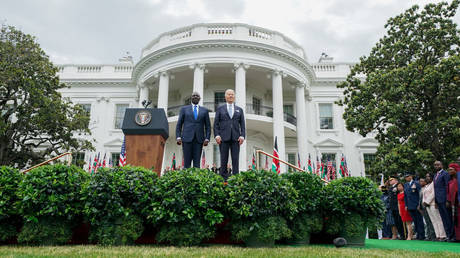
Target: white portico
{"x":231,"y":48}
{"x":281,"y":93}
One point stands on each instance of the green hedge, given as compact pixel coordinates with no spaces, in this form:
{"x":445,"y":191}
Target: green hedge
{"x":352,"y":199}
{"x":51,"y":195}
{"x":187,"y":205}
{"x":184,"y":206}
{"x":9,"y":213}
{"x":258,"y":203}
{"x":309,"y":218}
{"x":115,"y":201}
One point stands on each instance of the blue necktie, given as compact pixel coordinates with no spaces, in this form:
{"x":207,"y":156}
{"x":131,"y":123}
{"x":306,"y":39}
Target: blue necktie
{"x":195,"y":112}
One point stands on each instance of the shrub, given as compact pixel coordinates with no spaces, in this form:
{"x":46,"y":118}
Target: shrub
{"x":188,"y":204}
{"x":352,"y":203}
{"x":257,"y":201}
{"x":51,"y":195}
{"x":310,"y":189}
{"x":9,"y":214}
{"x":115,"y":199}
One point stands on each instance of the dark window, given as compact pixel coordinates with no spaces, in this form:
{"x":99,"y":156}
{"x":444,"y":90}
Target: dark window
{"x":120,"y":114}
{"x":325,"y":116}
{"x":291,"y":160}
{"x":288,"y":109}
{"x":369,"y":159}
{"x":330,"y":156}
{"x":87,"y":108}
{"x":78,"y":159}
{"x":256,"y":105}
{"x":115,"y":158}
{"x":219,"y":99}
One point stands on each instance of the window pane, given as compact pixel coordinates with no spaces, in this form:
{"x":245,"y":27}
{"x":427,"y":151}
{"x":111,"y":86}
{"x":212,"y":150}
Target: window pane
{"x":78,"y":159}
{"x":219,"y":99}
{"x":115,"y":158}
{"x":120,"y":114}
{"x":256,"y":105}
{"x":330,"y":156}
{"x":325,"y":116}
{"x":369,"y":159}
{"x":288,"y":109}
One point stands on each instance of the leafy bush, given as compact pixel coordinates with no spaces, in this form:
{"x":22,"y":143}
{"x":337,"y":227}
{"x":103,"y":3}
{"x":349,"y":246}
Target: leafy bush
{"x":115,"y":199}
{"x":257,"y":200}
{"x":352,"y":203}
{"x":51,"y":195}
{"x":47,"y":231}
{"x":188,"y":204}
{"x":310,"y":189}
{"x":9,"y":214}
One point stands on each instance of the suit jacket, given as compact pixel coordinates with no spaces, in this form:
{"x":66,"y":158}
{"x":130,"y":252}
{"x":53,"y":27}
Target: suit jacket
{"x":441,"y":182}
{"x":229,"y":128}
{"x":187,"y":127}
{"x":412,"y":195}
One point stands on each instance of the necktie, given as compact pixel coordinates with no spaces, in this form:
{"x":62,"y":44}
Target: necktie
{"x":230,"y":110}
{"x":195,"y":112}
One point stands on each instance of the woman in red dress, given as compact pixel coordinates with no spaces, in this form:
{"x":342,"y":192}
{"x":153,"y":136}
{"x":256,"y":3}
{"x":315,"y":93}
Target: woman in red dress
{"x":452,"y":197}
{"x":404,"y":213}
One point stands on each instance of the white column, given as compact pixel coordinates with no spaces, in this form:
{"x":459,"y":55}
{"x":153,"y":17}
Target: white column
{"x":240,"y":100}
{"x":143,"y":92}
{"x":278,"y":115}
{"x":163,"y":89}
{"x":301,"y":123}
{"x":198,"y":80}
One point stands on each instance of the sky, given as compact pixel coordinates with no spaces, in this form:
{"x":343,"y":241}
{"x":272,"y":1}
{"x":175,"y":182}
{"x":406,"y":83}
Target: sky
{"x":102,"y":31}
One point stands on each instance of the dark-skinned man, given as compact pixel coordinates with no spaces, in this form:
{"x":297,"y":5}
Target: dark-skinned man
{"x":193,"y":131}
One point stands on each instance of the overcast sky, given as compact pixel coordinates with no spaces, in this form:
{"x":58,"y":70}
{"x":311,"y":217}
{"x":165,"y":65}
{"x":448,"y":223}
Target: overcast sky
{"x":93,"y":31}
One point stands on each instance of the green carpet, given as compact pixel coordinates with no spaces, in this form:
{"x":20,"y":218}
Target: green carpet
{"x":415,"y":245}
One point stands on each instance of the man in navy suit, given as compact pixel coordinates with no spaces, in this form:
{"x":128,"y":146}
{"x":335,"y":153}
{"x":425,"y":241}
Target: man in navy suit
{"x":193,"y":131}
{"x":230,"y":132}
{"x":441,"y":181}
{"x":412,"y":202}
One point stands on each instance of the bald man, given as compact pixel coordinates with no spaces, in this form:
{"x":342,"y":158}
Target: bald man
{"x":230,"y":132}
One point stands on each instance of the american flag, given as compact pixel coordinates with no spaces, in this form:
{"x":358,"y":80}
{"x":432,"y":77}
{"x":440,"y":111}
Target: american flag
{"x":203,"y":160}
{"x":122,"y":161}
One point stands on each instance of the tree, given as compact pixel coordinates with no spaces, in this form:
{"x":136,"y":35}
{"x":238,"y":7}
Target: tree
{"x":409,"y":95}
{"x":35,"y":121}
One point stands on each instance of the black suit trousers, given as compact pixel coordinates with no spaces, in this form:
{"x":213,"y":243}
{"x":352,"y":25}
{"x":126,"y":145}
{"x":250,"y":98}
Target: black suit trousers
{"x":192,"y":151}
{"x":225,"y":148}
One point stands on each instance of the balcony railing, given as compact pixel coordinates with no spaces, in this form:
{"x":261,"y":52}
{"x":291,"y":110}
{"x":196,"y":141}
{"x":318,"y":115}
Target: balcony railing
{"x":250,"y":109}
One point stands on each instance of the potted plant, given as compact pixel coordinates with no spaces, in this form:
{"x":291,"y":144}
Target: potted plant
{"x":10,"y":219}
{"x":187,"y":205}
{"x":351,"y":205}
{"x":258,"y":204}
{"x":114,"y":203}
{"x":308,"y":218}
{"x":50,"y":200}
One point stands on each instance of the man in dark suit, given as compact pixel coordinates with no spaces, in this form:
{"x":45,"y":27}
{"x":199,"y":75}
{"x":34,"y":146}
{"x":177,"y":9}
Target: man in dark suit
{"x":441,"y":181}
{"x":412,"y":202}
{"x":230,"y":132}
{"x":193,"y":130}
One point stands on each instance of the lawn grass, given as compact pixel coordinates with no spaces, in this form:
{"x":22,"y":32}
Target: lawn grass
{"x":371,"y":250}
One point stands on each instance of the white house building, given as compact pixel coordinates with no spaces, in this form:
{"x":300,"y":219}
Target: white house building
{"x":282,"y":93}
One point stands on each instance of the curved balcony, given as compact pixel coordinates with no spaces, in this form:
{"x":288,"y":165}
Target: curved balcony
{"x":250,"y":109}
{"x":223,"y":31}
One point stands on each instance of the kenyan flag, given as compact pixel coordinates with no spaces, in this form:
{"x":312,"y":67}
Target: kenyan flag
{"x":276,"y":163}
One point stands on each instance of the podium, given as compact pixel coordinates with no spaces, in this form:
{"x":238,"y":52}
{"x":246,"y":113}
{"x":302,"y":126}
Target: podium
{"x":146,"y":131}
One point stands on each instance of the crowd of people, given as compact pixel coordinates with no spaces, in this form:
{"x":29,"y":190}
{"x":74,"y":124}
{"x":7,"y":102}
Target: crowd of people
{"x":425,"y":207}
